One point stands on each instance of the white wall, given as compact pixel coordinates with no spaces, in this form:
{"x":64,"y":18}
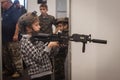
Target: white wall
{"x":101,"y":19}
{"x":34,"y":6}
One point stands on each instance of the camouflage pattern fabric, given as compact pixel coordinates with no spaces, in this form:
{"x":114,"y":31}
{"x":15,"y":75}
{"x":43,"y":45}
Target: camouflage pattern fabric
{"x":6,"y":60}
{"x":11,"y":57}
{"x":46,"y":23}
{"x":14,"y":48}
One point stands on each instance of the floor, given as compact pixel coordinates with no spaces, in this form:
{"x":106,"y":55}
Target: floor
{"x":24,"y":76}
{"x":9,"y":78}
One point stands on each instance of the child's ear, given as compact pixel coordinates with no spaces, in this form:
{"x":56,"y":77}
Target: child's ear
{"x":28,"y":29}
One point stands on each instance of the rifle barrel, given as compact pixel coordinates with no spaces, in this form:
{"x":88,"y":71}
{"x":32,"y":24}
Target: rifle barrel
{"x":99,"y":41}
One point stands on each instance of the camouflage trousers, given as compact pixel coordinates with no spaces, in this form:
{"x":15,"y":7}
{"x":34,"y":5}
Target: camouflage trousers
{"x":11,"y":57}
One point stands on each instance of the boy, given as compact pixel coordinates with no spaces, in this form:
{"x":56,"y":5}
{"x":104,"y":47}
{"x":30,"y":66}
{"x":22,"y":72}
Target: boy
{"x":46,"y":20}
{"x":35,"y":54}
{"x":62,"y":27}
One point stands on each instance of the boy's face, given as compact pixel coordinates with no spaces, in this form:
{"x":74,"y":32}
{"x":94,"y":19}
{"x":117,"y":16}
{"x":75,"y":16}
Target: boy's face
{"x":36,"y":26}
{"x":65,"y":26}
{"x":60,"y":26}
{"x":43,"y":10}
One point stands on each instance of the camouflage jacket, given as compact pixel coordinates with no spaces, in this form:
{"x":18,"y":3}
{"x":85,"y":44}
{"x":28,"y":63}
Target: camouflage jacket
{"x":46,"y":23}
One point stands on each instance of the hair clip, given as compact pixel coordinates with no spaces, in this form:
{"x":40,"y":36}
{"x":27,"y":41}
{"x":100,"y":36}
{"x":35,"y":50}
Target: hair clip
{"x":34,"y":13}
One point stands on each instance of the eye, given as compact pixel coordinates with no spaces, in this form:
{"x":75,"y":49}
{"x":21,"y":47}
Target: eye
{"x":42,"y":9}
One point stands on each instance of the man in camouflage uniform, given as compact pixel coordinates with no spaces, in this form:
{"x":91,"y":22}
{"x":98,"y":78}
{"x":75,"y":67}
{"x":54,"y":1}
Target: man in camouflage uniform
{"x":10,"y":40}
{"x":46,"y":21}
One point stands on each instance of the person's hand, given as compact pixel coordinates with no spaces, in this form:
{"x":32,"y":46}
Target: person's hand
{"x":15,"y":38}
{"x":53,"y":44}
{"x":56,"y":30}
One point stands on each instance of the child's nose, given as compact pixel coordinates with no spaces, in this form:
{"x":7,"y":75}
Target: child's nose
{"x":39,"y":26}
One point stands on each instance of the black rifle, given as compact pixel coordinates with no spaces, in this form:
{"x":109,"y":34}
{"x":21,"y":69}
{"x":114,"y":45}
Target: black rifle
{"x":63,"y":38}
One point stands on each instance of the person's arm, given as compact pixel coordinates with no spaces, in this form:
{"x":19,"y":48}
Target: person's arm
{"x":15,"y":17}
{"x":15,"y":37}
{"x":32,"y":51}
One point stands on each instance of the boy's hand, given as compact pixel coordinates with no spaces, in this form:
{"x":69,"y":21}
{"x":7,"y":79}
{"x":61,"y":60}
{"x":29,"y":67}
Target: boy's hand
{"x":53,"y":44}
